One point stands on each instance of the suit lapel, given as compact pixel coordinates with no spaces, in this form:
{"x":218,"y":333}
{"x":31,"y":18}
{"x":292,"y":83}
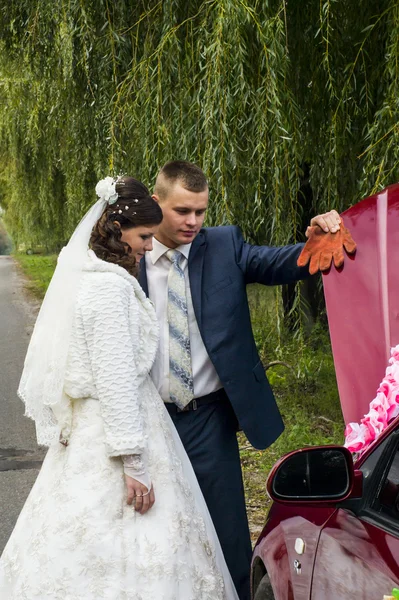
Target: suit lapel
{"x":143,"y":276}
{"x":195,"y":269}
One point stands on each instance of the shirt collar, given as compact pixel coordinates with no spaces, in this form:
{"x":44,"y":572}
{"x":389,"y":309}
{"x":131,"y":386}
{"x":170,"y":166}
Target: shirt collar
{"x":159,"y":249}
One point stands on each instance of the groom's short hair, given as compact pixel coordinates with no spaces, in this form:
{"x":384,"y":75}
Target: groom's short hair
{"x":189,"y":175}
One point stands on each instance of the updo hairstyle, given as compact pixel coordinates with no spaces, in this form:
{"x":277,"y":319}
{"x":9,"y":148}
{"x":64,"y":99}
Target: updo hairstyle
{"x":134,"y":207}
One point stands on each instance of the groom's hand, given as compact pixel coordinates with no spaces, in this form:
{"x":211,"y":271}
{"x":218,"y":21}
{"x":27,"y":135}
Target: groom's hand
{"x":328,"y":222}
{"x":324,"y":247}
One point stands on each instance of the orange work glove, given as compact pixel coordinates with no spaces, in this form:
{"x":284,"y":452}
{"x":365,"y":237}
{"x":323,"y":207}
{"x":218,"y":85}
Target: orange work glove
{"x":322,"y":248}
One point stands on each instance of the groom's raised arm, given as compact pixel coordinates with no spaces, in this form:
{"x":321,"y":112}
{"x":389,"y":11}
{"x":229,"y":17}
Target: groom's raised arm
{"x":277,"y":265}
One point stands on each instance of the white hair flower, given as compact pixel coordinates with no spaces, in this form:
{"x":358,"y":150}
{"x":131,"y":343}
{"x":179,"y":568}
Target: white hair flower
{"x":105,"y":189}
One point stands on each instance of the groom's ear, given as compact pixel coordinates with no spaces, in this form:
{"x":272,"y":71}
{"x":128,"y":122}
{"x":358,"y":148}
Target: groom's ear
{"x":155,"y":197}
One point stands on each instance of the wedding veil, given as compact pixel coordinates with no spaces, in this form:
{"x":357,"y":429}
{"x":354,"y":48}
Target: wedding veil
{"x":42,"y":383}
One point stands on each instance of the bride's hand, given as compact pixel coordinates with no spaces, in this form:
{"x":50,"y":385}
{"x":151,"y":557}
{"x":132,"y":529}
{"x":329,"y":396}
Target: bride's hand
{"x":138,"y":494}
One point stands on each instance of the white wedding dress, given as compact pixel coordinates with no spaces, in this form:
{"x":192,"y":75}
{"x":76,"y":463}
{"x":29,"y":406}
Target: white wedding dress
{"x":76,"y":538}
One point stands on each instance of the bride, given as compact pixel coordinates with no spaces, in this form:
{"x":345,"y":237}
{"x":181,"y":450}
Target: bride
{"x":116,"y":512}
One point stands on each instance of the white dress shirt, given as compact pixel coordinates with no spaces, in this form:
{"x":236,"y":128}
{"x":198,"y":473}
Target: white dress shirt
{"x":205,"y":377}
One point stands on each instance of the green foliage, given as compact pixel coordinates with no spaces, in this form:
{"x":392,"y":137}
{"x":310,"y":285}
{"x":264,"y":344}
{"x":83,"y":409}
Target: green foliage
{"x":5,"y":241}
{"x":298,"y":367}
{"x":257,"y":93}
{"x":39,"y":270}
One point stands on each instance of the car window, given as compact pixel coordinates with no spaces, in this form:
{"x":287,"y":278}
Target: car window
{"x":374,"y":461}
{"x":387,"y":501}
{"x":380,"y":504}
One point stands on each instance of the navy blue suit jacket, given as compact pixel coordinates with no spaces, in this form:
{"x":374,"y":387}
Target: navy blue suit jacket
{"x":221,"y":264}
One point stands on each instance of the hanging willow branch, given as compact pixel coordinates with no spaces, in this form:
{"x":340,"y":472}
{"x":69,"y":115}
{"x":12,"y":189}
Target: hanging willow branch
{"x":265,"y":97}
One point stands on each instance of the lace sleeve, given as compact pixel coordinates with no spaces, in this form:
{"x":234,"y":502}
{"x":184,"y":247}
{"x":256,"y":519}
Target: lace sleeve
{"x":105,"y":316}
{"x":133,"y":465}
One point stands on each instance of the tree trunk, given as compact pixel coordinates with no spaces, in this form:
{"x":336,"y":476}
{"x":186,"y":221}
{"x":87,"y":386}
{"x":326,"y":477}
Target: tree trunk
{"x":312,"y":303}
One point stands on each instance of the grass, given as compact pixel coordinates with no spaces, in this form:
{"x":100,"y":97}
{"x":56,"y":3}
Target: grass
{"x":38,"y":269}
{"x":306,"y":391}
{"x":304,"y":386}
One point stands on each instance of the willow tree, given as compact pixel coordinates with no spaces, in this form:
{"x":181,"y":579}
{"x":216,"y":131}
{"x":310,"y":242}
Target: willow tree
{"x":289,"y":107}
{"x":5,"y":241}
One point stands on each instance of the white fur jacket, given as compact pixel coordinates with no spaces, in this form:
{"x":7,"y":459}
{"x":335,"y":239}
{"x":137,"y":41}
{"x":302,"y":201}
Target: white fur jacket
{"x":113,"y":346}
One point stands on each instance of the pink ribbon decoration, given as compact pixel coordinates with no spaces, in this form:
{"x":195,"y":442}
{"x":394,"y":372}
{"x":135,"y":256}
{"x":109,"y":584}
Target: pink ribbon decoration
{"x":383,"y":409}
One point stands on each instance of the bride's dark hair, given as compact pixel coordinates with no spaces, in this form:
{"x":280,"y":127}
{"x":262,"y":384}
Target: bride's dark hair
{"x":134,"y":207}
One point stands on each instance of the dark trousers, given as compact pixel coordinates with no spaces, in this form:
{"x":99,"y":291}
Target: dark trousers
{"x":209,"y":437}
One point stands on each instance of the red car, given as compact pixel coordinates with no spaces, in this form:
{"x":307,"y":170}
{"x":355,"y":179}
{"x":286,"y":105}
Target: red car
{"x":332,"y":532}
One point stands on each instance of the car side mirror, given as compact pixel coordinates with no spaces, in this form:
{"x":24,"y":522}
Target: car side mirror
{"x":316,"y":474}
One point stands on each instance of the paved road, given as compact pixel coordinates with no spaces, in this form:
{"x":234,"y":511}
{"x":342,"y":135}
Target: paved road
{"x":19,"y":454}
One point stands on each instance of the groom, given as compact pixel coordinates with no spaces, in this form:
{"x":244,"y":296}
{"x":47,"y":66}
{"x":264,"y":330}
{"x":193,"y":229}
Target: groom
{"x":207,"y":369}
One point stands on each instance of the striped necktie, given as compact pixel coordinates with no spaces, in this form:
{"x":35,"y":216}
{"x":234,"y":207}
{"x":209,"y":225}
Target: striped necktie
{"x":181,"y":388}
